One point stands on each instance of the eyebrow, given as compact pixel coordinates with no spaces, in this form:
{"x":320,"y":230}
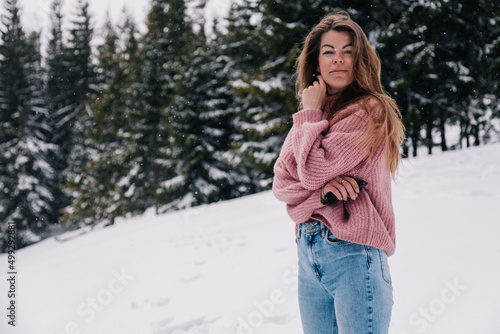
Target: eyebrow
{"x":328,"y":45}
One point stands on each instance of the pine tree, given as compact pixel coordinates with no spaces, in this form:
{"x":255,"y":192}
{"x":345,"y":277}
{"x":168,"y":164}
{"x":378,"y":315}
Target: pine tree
{"x":81,"y":79}
{"x":490,"y":86}
{"x":436,"y":72}
{"x":478,"y":24}
{"x":93,"y":197}
{"x":413,"y":70}
{"x":60,"y":101}
{"x":240,"y":42}
{"x":27,"y":178}
{"x":103,"y":195}
{"x":152,"y":156}
{"x":246,"y":52}
{"x":203,"y":127}
{"x":261,"y":84}
{"x":132,"y":62}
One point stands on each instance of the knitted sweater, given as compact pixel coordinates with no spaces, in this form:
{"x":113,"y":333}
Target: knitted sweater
{"x":315,"y":152}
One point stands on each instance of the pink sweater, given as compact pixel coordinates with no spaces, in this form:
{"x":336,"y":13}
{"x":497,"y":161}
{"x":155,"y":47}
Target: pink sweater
{"x":316,"y":152}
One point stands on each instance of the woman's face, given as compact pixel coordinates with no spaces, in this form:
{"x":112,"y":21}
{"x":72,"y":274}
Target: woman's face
{"x":336,"y":60}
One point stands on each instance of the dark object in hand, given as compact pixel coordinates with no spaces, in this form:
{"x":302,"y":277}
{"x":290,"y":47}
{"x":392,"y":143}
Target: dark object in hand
{"x":331,"y":198}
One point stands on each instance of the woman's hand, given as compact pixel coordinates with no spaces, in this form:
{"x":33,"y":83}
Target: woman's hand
{"x":314,"y":96}
{"x":343,"y":187}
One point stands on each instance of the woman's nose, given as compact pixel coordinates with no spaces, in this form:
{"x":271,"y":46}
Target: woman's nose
{"x":338,"y":59}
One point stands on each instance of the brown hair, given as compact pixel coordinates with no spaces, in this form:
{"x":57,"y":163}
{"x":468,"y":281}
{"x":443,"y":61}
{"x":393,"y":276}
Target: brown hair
{"x":366,"y":87}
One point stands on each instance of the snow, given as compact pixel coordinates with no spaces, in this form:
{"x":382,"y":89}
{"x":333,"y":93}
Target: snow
{"x":267,"y":86}
{"x":231,"y":267}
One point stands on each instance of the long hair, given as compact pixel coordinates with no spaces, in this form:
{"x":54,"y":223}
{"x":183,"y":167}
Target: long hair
{"x":365,"y":87}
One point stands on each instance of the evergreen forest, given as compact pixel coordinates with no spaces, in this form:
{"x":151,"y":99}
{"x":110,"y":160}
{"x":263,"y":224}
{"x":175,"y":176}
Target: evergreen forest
{"x":111,"y":121}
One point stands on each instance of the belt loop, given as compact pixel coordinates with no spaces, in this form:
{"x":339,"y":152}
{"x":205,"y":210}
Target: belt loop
{"x":299,"y":230}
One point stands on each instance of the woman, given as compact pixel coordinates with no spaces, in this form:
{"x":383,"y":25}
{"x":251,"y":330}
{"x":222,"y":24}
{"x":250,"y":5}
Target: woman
{"x":346,"y":136}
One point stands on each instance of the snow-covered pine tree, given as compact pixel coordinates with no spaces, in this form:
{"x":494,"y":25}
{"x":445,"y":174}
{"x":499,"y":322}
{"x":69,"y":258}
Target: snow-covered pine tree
{"x":434,"y":51}
{"x":131,"y":60}
{"x":27,"y":179}
{"x":264,"y":89}
{"x":246,"y":52}
{"x":240,"y":42}
{"x":407,"y":58}
{"x":478,"y":28}
{"x":96,"y":199}
{"x":61,"y":101}
{"x":105,"y":194}
{"x":81,"y":79}
{"x":491,"y":84}
{"x":203,"y":126}
{"x":162,"y":48}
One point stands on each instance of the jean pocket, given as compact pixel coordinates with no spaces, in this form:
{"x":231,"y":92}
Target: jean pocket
{"x":297,"y":234}
{"x":333,"y":240}
{"x":384,"y":265}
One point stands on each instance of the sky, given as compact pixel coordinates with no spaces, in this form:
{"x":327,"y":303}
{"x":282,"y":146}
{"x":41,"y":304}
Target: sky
{"x":36,"y":13}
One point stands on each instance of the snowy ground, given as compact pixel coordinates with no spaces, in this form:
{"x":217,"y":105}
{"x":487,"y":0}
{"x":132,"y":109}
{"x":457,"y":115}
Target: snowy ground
{"x":231,"y":267}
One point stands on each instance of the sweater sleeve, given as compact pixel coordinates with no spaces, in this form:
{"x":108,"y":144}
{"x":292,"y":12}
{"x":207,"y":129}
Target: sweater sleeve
{"x":323,"y":152}
{"x":287,"y":188}
{"x":300,"y":202}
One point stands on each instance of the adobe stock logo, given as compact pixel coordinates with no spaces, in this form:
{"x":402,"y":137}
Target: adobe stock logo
{"x":268,"y":307}
{"x":449,"y":294}
{"x":95,"y":304}
{"x":92,"y":305}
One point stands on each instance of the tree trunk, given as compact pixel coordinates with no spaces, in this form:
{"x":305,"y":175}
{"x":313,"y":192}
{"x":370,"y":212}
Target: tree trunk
{"x":414,"y":141}
{"x":442,"y":130}
{"x":462,"y":135}
{"x":406,"y":150}
{"x":430,"y":144}
{"x":467,"y":140}
{"x":475,"y":131}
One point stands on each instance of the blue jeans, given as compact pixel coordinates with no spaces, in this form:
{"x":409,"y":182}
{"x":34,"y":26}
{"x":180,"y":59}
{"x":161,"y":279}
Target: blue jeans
{"x":344,"y":287}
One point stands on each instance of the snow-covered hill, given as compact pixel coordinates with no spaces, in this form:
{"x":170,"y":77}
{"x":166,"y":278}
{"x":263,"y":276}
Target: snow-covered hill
{"x":231,"y":267}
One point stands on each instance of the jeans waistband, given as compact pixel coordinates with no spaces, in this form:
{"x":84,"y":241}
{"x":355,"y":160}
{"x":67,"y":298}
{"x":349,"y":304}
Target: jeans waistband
{"x":309,"y":227}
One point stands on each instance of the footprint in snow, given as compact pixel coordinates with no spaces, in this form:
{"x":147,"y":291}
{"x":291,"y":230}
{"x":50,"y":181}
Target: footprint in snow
{"x":162,"y":301}
{"x":481,"y":193}
{"x":159,"y":302}
{"x":162,"y":323}
{"x":139,"y":304}
{"x":190,"y":278}
{"x":195,"y":323}
{"x":279,"y":319}
{"x":199,"y":262}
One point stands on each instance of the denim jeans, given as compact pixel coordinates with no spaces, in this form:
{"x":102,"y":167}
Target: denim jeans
{"x":344,"y":287}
